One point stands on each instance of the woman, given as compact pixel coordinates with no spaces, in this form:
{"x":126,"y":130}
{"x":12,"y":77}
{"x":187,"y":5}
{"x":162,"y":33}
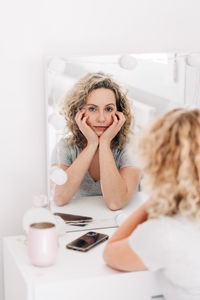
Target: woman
{"x":163,"y":235}
{"x":94,"y":157}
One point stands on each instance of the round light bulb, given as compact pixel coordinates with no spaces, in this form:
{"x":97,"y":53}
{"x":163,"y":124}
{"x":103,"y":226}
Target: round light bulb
{"x":57,"y":121}
{"x":37,"y":215}
{"x":57,"y":65}
{"x":127,"y":62}
{"x":193,"y":60}
{"x":40,"y":201}
{"x":57,"y":175}
{"x":121,"y":218}
{"x":60,"y":225}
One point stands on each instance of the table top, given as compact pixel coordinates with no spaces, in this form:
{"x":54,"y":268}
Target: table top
{"x":70,"y":264}
{"x":96,"y":208}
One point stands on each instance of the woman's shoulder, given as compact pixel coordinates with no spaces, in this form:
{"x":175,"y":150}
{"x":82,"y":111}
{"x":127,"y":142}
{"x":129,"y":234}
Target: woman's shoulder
{"x":124,"y":157}
{"x":174,"y":226}
{"x":156,"y":227}
{"x":184,"y":224}
{"x":68,"y":146}
{"x":67,"y":142}
{"x":65,"y":152}
{"x":156,"y":224}
{"x":165,"y":220}
{"x":117,"y":151}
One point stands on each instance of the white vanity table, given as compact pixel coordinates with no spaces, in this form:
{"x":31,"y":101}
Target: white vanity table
{"x":96,"y":208}
{"x":75,"y":275}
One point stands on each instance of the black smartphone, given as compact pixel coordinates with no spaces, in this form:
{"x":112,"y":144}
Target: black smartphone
{"x":87,"y":241}
{"x":74,"y":220}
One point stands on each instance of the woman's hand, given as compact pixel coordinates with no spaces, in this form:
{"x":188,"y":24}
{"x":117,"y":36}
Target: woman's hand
{"x":118,"y":121}
{"x":89,"y":134}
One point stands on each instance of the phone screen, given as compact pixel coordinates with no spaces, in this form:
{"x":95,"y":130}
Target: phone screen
{"x":87,"y":241}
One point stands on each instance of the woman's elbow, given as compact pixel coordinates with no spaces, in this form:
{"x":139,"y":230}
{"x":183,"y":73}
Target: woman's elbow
{"x":60,"y":200}
{"x":109,"y":257}
{"x":118,"y":203}
{"x":114,"y":206}
{"x":106,"y":254}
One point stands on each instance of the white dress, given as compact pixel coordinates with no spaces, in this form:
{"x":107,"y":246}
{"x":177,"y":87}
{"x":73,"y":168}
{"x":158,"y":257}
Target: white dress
{"x":171,"y":247}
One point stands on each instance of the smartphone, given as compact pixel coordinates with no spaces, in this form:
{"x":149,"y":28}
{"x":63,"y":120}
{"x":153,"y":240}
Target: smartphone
{"x":87,"y":241}
{"x":74,"y":220}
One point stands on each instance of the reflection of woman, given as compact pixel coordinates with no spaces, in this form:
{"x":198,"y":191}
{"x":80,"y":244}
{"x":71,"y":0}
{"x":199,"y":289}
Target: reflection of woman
{"x":164,"y":234}
{"x":94,"y":157}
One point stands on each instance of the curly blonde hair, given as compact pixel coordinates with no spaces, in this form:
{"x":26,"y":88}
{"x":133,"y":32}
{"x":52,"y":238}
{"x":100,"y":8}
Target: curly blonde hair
{"x":76,"y":98}
{"x":170,"y":150}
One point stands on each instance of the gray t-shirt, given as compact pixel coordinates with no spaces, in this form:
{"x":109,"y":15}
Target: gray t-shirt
{"x":65,"y":154}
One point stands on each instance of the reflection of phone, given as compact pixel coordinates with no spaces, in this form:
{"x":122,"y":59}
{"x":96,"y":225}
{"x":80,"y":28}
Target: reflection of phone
{"x":74,"y":220}
{"x":87,"y":241}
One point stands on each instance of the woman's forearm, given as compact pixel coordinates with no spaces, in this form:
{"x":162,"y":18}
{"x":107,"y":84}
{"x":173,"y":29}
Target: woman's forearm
{"x":75,"y":173}
{"x":117,"y":253}
{"x":116,"y":191}
{"x":126,"y":229}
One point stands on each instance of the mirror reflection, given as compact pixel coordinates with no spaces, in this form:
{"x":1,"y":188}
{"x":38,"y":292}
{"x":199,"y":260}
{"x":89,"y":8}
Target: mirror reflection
{"x":94,"y":105}
{"x":94,"y":155}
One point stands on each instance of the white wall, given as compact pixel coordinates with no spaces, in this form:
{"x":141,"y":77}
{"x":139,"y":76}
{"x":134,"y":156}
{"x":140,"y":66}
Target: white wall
{"x":30,"y":29}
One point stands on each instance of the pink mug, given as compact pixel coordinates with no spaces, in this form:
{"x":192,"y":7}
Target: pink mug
{"x":42,"y":244}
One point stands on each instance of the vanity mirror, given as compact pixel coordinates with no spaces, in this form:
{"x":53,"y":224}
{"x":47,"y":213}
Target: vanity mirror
{"x":155,"y":83}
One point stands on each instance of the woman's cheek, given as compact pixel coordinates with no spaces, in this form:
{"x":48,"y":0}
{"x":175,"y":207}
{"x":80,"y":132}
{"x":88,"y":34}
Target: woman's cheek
{"x":111,"y":118}
{"x":88,"y":120}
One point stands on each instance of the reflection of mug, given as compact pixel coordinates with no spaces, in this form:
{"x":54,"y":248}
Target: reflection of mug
{"x":42,"y":244}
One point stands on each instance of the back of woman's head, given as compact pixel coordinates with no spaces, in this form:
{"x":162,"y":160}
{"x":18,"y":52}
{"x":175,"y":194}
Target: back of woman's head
{"x":170,"y":150}
{"x":76,"y":98}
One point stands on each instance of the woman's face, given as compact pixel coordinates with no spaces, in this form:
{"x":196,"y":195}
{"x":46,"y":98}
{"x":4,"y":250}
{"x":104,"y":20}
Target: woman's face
{"x":100,"y":107}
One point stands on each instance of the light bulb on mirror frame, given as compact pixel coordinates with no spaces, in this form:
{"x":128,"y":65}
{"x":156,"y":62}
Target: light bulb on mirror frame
{"x":41,"y":214}
{"x":40,"y":201}
{"x":37,"y":215}
{"x":193,"y":60}
{"x":127,"y":62}
{"x":58,"y":175}
{"x":120,"y":216}
{"x":57,"y":121}
{"x":56,"y":65}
